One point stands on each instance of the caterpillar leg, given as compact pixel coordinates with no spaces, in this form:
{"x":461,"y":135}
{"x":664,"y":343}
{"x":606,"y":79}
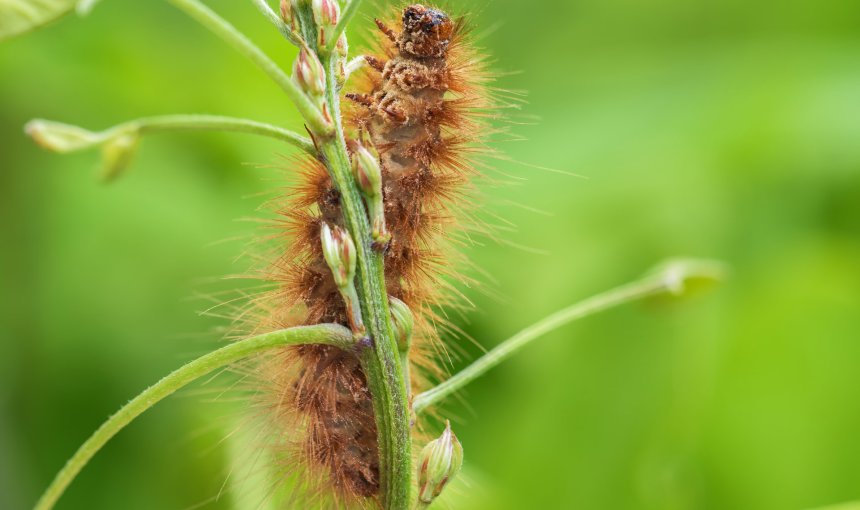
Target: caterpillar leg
{"x":394,"y":113}
{"x":389,"y":33}
{"x":362,"y":99}
{"x":375,"y":63}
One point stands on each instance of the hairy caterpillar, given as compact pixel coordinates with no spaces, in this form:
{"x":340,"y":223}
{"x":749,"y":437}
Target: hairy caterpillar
{"x":423,"y":103}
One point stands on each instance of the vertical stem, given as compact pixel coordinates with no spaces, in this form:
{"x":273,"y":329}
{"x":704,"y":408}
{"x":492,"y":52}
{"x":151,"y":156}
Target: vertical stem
{"x":381,"y":362}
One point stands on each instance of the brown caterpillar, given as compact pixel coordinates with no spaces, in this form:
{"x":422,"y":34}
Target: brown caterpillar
{"x":423,"y":102}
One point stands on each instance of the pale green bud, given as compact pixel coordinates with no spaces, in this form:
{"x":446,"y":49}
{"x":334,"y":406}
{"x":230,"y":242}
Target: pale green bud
{"x":117,"y":154}
{"x":342,"y":46}
{"x":308,"y":73}
{"x":59,"y":137}
{"x":287,"y":14}
{"x":289,"y":10}
{"x":118,"y":147}
{"x":439,"y":462}
{"x":326,"y":12}
{"x":326,"y":15}
{"x":339,"y":253}
{"x":368,"y":176}
{"x":403,"y":322}
{"x":368,"y":173}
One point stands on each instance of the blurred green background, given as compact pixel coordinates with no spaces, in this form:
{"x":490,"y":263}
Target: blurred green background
{"x":728,"y":130}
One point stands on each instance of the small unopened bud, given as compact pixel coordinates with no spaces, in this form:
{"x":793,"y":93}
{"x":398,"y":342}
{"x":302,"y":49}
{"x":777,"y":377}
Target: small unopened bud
{"x":326,"y":12}
{"x":289,"y":8}
{"x":341,"y":72}
{"x":368,"y":176}
{"x":368,"y":173}
{"x":342,"y":46}
{"x":308,"y":73}
{"x":326,"y":15}
{"x":440,"y":461}
{"x":59,"y":137}
{"x":117,"y":154}
{"x":287,"y":11}
{"x":339,"y":253}
{"x":403,"y":322}
{"x":118,"y":147}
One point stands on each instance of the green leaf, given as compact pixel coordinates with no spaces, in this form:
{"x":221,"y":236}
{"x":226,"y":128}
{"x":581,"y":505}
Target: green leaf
{"x":21,"y":16}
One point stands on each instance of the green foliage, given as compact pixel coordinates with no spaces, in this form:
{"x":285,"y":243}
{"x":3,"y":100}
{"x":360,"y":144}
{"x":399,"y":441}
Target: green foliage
{"x":726,"y":130}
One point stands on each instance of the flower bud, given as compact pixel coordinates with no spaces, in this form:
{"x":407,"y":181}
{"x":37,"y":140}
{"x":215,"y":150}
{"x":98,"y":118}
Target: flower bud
{"x":117,"y":154}
{"x":365,"y":167}
{"x":289,"y":8}
{"x":342,"y":46}
{"x":59,"y":137}
{"x":341,"y":72}
{"x":339,"y":253}
{"x":440,"y":461}
{"x":326,"y":15}
{"x":118,"y":147}
{"x":368,"y":176}
{"x":308,"y":73}
{"x":403,"y":322}
{"x":326,"y":12}
{"x":287,"y":11}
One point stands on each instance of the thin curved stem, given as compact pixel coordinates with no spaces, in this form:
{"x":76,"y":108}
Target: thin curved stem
{"x":355,"y":65}
{"x":330,"y":334}
{"x":670,"y":278}
{"x":40,"y":130}
{"x":207,"y":17}
{"x":266,"y":10}
{"x":166,"y":123}
{"x":345,"y":17}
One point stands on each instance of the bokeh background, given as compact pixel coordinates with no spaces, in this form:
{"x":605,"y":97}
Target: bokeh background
{"x":728,"y":130}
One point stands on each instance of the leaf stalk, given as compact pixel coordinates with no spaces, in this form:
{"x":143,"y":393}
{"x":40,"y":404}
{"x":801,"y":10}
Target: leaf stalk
{"x":670,"y":278}
{"x":328,"y":334}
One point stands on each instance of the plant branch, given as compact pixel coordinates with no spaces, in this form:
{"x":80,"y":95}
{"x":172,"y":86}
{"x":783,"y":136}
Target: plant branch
{"x":218,"y":123}
{"x":266,"y":10}
{"x":169,"y":123}
{"x":355,"y":65}
{"x":206,"y":17}
{"x":330,"y":334}
{"x":669,"y":278}
{"x":345,"y":17}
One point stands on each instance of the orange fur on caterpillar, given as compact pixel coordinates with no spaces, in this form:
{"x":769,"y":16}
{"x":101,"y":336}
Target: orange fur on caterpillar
{"x":424,"y":104}
{"x":421,"y":112}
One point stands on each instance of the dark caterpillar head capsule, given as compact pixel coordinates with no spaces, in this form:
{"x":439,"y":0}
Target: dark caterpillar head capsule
{"x":426,"y":32}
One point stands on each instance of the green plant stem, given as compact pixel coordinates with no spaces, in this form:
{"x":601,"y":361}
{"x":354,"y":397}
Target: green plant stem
{"x":671,"y":278}
{"x":170,"y":123}
{"x":206,"y":17}
{"x":381,"y":363}
{"x":330,"y":334}
{"x":345,"y":17}
{"x":273,"y":17}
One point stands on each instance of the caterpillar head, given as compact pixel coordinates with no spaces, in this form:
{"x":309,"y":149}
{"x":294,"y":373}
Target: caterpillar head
{"x":426,"y":32}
